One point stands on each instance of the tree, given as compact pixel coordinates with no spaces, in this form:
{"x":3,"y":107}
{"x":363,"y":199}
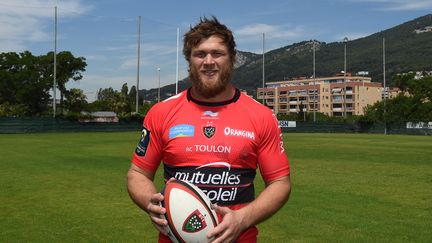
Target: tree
{"x":401,"y":80}
{"x":421,"y":88}
{"x":124,"y":89}
{"x":107,"y":94}
{"x":68,"y":67}
{"x":301,"y":113}
{"x":24,"y":82}
{"x":27,"y":79}
{"x":120,"y":103}
{"x":132,"y":96}
{"x":414,"y":105}
{"x":75,"y":100}
{"x":110,"y":99}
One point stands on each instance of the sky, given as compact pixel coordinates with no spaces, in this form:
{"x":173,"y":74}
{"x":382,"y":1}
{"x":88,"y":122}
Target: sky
{"x":105,"y":32}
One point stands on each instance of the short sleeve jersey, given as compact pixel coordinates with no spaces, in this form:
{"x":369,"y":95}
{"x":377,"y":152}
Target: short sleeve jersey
{"x":216,"y":146}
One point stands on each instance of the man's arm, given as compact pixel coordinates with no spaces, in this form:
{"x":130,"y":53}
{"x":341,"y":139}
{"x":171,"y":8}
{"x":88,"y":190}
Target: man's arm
{"x":143,"y":192}
{"x":265,"y":205}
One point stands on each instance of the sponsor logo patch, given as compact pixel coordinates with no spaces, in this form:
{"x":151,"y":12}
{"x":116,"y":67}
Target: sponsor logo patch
{"x":228,"y":131}
{"x":207,"y":148}
{"x":181,"y":130}
{"x":210,"y":115}
{"x":141,"y":148}
{"x":220,"y":182}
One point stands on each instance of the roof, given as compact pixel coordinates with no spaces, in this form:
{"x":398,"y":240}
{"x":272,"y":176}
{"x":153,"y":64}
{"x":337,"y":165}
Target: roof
{"x":104,"y":114}
{"x":101,"y":114}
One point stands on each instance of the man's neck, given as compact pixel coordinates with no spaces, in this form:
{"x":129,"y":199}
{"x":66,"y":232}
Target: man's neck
{"x":225,"y":95}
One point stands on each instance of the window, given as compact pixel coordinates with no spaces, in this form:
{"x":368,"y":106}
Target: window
{"x":302,"y":92}
{"x":337,"y":98}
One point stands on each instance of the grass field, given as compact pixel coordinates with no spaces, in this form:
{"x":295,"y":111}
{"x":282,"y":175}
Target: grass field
{"x":70,"y":187}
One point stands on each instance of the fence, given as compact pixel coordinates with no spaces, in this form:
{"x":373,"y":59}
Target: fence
{"x":46,"y":124}
{"x":353,"y":127}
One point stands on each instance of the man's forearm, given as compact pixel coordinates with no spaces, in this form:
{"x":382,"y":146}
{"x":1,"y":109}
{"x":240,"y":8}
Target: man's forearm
{"x":140,"y":188}
{"x":267,"y":203}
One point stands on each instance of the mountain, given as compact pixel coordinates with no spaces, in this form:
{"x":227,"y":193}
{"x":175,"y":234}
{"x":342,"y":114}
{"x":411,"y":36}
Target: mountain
{"x":408,"y":47}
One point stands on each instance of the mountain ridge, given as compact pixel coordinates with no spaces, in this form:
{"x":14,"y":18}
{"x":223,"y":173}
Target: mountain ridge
{"x":407,"y":48}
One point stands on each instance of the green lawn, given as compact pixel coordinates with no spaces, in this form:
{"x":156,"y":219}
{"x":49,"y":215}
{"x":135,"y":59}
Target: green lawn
{"x":71,"y":187}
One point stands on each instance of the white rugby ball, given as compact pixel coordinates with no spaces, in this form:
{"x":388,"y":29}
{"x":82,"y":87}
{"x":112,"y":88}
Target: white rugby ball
{"x":189,"y":212}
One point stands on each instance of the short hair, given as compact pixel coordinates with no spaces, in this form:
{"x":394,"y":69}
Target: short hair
{"x":206,"y":28}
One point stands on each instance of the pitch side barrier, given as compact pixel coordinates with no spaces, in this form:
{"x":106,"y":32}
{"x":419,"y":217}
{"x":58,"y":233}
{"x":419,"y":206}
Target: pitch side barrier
{"x":356,"y":127}
{"x":47,"y":124}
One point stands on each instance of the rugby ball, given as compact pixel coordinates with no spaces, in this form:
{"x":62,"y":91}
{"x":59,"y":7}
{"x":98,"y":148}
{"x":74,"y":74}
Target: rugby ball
{"x":189,"y":212}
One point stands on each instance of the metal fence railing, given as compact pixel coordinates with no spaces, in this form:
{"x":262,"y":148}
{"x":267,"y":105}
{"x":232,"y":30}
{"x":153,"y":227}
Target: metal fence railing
{"x":47,"y":124}
{"x":352,"y":127}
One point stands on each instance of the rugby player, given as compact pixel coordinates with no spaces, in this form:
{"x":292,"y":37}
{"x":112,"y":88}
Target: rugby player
{"x":216,"y":137}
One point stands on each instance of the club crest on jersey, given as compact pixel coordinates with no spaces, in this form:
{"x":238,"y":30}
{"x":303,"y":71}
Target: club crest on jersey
{"x":209,"y":131}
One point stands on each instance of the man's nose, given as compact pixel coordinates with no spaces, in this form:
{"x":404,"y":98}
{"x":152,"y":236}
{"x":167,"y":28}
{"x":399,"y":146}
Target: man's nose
{"x":208,"y":59}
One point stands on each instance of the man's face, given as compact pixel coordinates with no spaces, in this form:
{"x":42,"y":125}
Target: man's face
{"x":210,"y":67}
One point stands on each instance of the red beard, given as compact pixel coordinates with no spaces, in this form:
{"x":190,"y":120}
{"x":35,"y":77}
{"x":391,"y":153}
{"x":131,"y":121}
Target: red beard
{"x":210,"y":88}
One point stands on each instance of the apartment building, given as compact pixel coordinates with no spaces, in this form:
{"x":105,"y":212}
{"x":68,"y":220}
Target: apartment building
{"x":333,"y":96}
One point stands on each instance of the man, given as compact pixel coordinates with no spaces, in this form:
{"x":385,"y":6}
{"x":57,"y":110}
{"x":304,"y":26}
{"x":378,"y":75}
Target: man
{"x":209,"y":132}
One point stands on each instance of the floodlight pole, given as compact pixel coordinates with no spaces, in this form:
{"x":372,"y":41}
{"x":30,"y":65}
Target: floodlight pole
{"x":314,"y":111}
{"x":177,"y":63}
{"x":55,"y":63}
{"x":158,"y":99}
{"x":263,"y":67}
{"x":138,"y":64}
{"x":345,"y":40}
{"x":385,"y":89}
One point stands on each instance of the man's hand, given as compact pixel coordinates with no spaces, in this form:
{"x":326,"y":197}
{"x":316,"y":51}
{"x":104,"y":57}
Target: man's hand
{"x":231,"y":226}
{"x":265,"y":205}
{"x":143,"y":192}
{"x":155,"y":211}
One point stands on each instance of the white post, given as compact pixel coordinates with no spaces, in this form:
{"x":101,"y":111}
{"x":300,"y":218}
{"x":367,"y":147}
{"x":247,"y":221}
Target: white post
{"x":138,"y":64}
{"x":345,"y":85}
{"x":158,"y":69}
{"x":385,"y":88}
{"x":55,"y":63}
{"x":263,"y":66}
{"x":314,"y":112}
{"x":177,"y":63}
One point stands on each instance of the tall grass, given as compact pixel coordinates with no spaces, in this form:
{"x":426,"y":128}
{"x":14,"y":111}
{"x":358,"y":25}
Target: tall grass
{"x":71,"y":187}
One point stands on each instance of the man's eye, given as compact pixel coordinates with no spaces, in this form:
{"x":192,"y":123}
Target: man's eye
{"x":199,"y":55}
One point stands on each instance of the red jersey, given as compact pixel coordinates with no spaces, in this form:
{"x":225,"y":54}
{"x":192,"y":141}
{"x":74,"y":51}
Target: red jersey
{"x":216,"y":146}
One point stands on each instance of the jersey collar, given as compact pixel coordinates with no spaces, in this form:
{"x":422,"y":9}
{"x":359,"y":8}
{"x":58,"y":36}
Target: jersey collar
{"x":221,"y":103}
